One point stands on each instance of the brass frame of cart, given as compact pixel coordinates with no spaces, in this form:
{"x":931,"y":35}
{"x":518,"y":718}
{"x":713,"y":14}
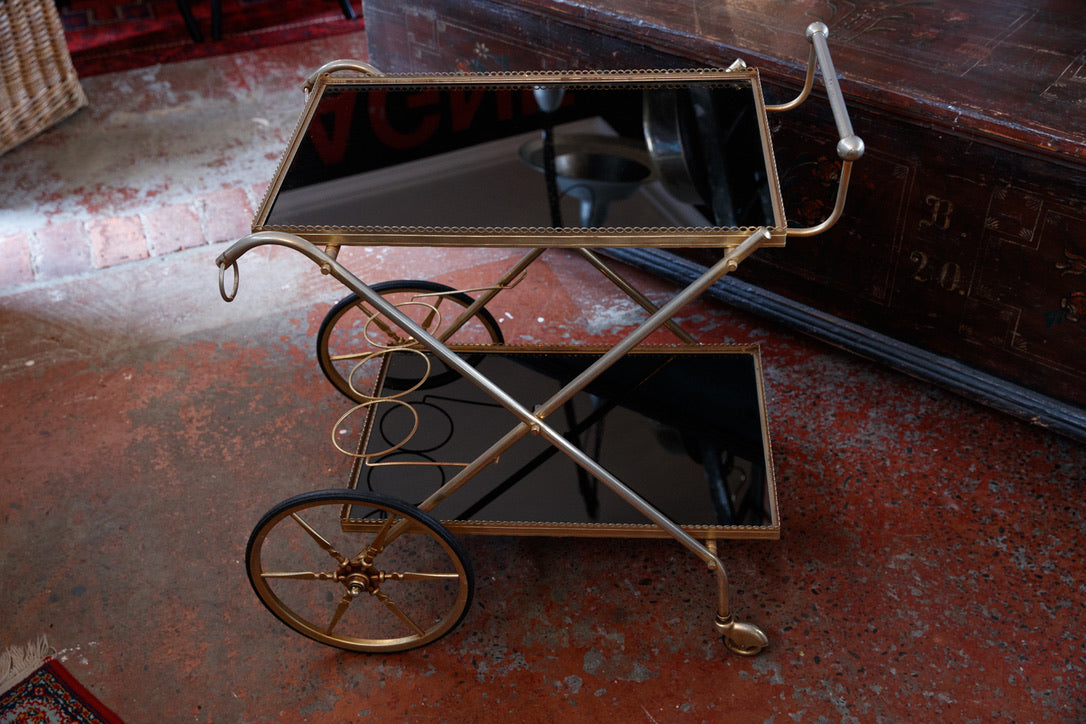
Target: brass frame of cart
{"x":358,"y":574}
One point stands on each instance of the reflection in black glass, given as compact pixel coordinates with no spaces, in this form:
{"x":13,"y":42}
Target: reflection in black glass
{"x":687,"y":154}
{"x":683,"y":430}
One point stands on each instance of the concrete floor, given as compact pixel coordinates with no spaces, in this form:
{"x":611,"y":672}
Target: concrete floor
{"x":929,"y":568}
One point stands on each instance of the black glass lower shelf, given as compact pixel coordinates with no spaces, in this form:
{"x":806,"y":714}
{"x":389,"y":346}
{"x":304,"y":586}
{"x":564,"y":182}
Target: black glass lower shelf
{"x":684,"y":427}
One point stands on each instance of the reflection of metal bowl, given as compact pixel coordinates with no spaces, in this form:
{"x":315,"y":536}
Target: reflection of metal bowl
{"x":671,"y":136}
{"x":593,"y":168}
{"x":600,"y":167}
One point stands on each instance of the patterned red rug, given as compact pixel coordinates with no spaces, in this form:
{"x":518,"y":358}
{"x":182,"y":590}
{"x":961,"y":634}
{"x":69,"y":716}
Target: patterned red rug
{"x":49,"y":694}
{"x":110,"y":35}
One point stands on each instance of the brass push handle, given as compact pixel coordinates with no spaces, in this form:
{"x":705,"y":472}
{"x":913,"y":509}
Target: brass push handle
{"x":850,"y":147}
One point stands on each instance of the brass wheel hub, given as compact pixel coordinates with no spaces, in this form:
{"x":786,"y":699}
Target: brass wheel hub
{"x":359,"y":578}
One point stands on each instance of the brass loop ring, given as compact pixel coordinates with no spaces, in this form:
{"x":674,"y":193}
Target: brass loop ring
{"x":228,"y":296}
{"x":383,"y":354}
{"x":365,"y":406}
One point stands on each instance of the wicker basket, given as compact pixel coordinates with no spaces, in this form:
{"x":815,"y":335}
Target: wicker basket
{"x":39,"y":86}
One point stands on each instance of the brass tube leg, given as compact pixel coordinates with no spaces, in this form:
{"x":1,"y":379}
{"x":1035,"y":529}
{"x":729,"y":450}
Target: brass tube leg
{"x":634,"y":293}
{"x":485,"y":298}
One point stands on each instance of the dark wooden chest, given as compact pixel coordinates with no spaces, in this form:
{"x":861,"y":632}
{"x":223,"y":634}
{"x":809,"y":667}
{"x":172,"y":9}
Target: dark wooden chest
{"x":961,"y":258}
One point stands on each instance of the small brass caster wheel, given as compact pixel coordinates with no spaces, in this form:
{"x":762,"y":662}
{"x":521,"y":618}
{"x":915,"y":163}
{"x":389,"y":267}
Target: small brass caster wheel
{"x":743,"y":649}
{"x":741,"y":638}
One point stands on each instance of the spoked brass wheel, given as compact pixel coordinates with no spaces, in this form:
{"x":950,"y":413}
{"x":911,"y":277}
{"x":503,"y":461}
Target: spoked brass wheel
{"x":359,"y":571}
{"x":352,"y":332}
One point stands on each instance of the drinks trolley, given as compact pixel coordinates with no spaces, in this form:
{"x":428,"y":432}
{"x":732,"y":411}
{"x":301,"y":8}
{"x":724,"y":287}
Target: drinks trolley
{"x":666,"y":158}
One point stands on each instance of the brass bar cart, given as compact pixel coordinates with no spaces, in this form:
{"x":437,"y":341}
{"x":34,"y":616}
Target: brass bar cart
{"x":640,"y":159}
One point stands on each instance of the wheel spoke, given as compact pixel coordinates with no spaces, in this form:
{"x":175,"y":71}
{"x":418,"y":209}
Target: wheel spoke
{"x":388,"y":533}
{"x":299,"y":575}
{"x":383,"y":598}
{"x":319,"y":539}
{"x":344,"y":604}
{"x":349,"y":355}
{"x":381,"y":323}
{"x":429,"y":318}
{"x":419,"y":576}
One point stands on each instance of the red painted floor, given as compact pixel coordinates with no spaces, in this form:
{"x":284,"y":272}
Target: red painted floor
{"x":929,"y":568}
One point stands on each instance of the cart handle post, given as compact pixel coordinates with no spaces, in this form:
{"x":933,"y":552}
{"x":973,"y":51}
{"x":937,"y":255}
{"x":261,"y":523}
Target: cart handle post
{"x":850,"y":147}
